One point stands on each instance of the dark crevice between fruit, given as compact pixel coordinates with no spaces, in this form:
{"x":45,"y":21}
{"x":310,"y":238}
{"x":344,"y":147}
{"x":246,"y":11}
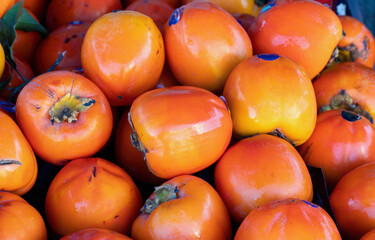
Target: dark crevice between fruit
{"x":162,"y":194}
{"x":343,"y":101}
{"x":279,"y":134}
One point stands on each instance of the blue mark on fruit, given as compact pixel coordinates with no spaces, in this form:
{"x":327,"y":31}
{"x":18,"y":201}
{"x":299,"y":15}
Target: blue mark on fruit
{"x":268,"y":6}
{"x":76,"y":23}
{"x":311,"y":204}
{"x":268,"y":56}
{"x":175,"y":17}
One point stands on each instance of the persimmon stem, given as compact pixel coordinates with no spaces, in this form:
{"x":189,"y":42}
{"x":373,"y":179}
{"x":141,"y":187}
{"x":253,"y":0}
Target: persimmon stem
{"x":162,"y":194}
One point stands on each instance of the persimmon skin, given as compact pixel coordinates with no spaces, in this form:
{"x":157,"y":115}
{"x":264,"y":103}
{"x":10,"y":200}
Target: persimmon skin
{"x":268,"y":92}
{"x":369,"y":235}
{"x":184,"y":129}
{"x":36,"y":7}
{"x":204,"y":214}
{"x":234,"y":6}
{"x":353,"y":200}
{"x":17,"y":177}
{"x":32,"y":112}
{"x":311,"y":47}
{"x":92,"y":193}
{"x":67,"y":38}
{"x":355,"y":79}
{"x":158,"y":10}
{"x":61,"y":12}
{"x":95,"y":234}
{"x":288,"y":219}
{"x":360,"y":36}
{"x":258,"y":170}
{"x":338,"y":145}
{"x":204,"y":45}
{"x":130,"y":59}
{"x":19,"y":220}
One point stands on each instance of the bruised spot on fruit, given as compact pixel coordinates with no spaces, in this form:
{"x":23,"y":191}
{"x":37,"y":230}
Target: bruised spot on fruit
{"x":116,"y":216}
{"x":268,"y":6}
{"x":162,"y":194}
{"x":175,"y":17}
{"x":5,"y":204}
{"x":350,"y":116}
{"x":342,"y":100}
{"x":119,"y":97}
{"x":67,"y":40}
{"x":310,"y":204}
{"x":94,"y":171}
{"x":268,"y":56}
{"x":9,"y":162}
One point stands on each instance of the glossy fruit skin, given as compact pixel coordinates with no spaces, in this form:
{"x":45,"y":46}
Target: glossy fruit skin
{"x":95,"y":234}
{"x":369,"y":235}
{"x":338,"y":145}
{"x":32,"y":112}
{"x":311,"y":46}
{"x":234,"y":6}
{"x":184,"y":129}
{"x":67,"y":38}
{"x":92,"y":193}
{"x":26,"y":43}
{"x":128,"y":157}
{"x":18,"y":176}
{"x":288,"y":219}
{"x":158,"y":10}
{"x":19,"y":220}
{"x":204,"y":214}
{"x":360,"y":36}
{"x":258,"y":170}
{"x":270,"y":92}
{"x":61,"y":12}
{"x":204,"y":45}
{"x":354,"y":79}
{"x":354,"y":196}
{"x":24,"y":68}
{"x":2,"y":60}
{"x":130,"y":59}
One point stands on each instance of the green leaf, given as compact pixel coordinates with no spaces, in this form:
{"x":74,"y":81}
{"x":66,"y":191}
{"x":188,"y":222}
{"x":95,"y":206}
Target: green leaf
{"x":27,"y":23}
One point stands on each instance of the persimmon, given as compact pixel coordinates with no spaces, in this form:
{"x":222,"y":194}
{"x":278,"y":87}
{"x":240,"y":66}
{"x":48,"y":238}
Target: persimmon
{"x":269,"y":93}
{"x":92,"y":193}
{"x":37,"y":7}
{"x":62,"y":12}
{"x":288,"y":219}
{"x":357,"y":43}
{"x":281,"y":28}
{"x":2,"y":60}
{"x":166,"y":78}
{"x":180,"y":129}
{"x":258,"y":170}
{"x":128,"y":157}
{"x":127,"y":63}
{"x":67,"y":38}
{"x":353,"y":202}
{"x":341,"y":141}
{"x":172,"y":3}
{"x":185,"y":207}
{"x":65,"y":112}
{"x":24,"y":68}
{"x":203,"y":44}
{"x":19,"y":220}
{"x":349,"y":86}
{"x":95,"y":234}
{"x":158,"y":10}
{"x":18,"y":166}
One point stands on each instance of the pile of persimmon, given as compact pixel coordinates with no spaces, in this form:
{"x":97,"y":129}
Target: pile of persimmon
{"x":185,"y":119}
